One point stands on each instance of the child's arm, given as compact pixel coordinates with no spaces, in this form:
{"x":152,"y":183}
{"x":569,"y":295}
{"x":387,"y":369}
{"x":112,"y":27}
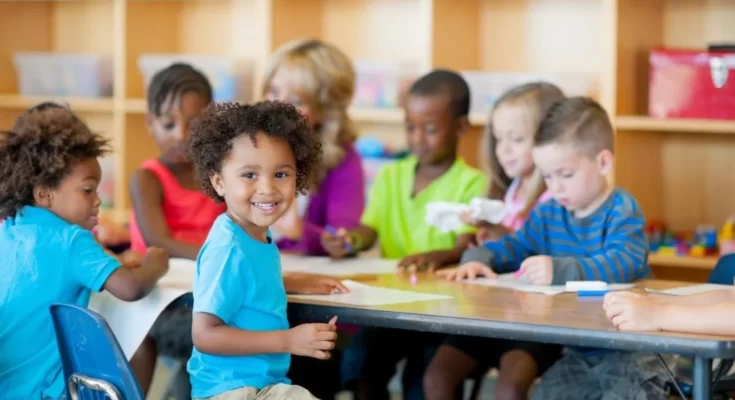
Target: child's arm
{"x":433,"y":260}
{"x":704,"y":313}
{"x":92,"y":267}
{"x":300,"y":283}
{"x":132,"y":284}
{"x":623,"y":259}
{"x":223,"y":283}
{"x":146,"y":193}
{"x":211,"y":335}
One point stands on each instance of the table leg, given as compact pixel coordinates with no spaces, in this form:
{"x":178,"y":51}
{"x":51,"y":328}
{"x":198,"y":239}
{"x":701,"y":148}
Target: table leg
{"x":702,"y":378}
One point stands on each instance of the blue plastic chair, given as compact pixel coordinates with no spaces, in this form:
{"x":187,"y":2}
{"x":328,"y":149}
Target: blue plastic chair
{"x":95,"y":366}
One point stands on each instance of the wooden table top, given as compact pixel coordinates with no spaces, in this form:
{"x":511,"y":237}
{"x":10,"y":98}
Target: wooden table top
{"x":497,"y":312}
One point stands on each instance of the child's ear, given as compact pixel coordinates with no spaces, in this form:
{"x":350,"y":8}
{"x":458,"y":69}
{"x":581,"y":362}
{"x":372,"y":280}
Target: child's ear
{"x":463,"y":125}
{"x":42,"y":196}
{"x":218,"y":184}
{"x":605,"y":161}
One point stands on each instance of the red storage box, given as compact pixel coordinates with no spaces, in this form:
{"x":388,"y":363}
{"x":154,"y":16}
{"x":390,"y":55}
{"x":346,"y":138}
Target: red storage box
{"x":692,"y":84}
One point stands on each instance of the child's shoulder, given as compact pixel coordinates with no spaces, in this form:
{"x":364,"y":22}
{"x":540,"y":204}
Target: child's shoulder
{"x":621,"y":201}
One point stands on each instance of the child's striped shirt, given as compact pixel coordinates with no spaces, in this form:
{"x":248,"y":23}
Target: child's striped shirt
{"x":608,"y":245}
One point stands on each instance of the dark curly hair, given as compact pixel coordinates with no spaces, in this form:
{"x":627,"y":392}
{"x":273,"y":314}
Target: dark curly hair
{"x":40,"y":150}
{"x":212,"y":135}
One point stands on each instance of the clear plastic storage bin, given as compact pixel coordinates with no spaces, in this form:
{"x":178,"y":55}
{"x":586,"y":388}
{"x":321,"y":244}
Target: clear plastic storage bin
{"x":64,"y":74}
{"x":220,"y":71}
{"x":486,"y":87}
{"x":382,"y":85}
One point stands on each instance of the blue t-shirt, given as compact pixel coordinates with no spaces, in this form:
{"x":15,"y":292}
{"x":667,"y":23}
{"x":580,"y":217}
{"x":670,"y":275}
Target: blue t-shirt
{"x":238,"y":280}
{"x":45,"y":260}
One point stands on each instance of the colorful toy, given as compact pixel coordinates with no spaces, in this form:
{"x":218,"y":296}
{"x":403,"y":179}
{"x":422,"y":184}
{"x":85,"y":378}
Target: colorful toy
{"x":700,"y":243}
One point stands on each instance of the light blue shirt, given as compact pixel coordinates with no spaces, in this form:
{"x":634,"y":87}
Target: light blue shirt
{"x":44,"y":260}
{"x":238,"y":280}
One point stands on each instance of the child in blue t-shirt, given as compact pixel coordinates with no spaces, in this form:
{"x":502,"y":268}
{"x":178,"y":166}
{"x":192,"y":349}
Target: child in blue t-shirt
{"x":49,"y":175}
{"x":255,"y":159}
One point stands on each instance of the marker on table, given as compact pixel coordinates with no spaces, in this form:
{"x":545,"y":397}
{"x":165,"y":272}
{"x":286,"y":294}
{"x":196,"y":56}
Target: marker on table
{"x":591,"y":293}
{"x":330,"y":229}
{"x":587,"y":288}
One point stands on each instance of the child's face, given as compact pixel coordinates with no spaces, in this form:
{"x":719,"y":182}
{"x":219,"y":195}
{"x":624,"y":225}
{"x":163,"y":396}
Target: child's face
{"x":514,"y":141}
{"x":171,"y":129}
{"x":574,"y":179}
{"x":279,"y":89}
{"x":432,"y":129}
{"x":258,"y":183}
{"x":75,"y":199}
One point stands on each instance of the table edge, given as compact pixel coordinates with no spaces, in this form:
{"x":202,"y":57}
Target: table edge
{"x":567,"y":336}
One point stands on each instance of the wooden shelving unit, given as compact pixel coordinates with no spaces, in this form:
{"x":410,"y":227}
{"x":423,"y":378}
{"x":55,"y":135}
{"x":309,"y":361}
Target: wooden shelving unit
{"x":693,"y":126}
{"x":679,"y":170}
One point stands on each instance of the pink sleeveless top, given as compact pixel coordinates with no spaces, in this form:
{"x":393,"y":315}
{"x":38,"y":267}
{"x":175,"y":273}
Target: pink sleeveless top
{"x":189,"y":213}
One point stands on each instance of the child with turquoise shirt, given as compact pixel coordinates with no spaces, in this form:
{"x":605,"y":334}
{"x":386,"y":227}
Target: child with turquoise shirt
{"x":49,"y":176}
{"x":256,"y":159}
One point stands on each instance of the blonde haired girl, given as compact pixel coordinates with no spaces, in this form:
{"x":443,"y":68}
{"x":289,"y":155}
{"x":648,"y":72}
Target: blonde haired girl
{"x":319,"y":80}
{"x":514,"y":178}
{"x":506,"y":154}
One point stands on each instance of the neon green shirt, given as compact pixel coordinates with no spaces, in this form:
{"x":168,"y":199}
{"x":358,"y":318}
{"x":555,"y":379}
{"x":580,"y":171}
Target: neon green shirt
{"x":400,"y":220}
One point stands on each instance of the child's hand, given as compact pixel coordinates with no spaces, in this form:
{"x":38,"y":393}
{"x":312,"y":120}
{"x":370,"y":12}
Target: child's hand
{"x":630,"y":311}
{"x":423,"y":262}
{"x":313,"y":284}
{"x":338,"y":245}
{"x":537,"y":269}
{"x":313,"y":340}
{"x":470,"y":271}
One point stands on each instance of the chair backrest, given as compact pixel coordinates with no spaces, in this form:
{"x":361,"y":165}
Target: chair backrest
{"x":94,"y":365}
{"x":724,"y":271}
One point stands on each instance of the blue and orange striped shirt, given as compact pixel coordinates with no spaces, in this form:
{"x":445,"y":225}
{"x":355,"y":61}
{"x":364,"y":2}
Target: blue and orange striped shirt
{"x":608,"y":245}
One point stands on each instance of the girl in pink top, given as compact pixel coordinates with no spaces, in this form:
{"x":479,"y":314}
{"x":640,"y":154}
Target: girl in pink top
{"x":515,"y":180}
{"x":169,"y":209}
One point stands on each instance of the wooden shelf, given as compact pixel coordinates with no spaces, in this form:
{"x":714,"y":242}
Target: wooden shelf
{"x":642,"y":123}
{"x":656,"y":260}
{"x":358,"y":114}
{"x":15,"y":102}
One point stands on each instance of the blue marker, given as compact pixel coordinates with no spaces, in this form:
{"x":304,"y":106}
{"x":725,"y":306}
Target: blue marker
{"x":330,"y":229}
{"x":591,"y":293}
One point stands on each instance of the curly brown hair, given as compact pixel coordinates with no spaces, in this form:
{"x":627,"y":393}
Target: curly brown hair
{"x":40,"y":151}
{"x":212,"y":135}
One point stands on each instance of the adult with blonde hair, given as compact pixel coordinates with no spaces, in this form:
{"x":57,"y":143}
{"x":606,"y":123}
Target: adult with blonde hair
{"x":319,"y":80}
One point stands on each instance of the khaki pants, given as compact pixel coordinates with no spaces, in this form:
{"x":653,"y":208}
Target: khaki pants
{"x":275,"y":392}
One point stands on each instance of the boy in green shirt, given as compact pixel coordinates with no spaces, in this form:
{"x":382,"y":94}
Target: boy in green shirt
{"x":436,"y":116}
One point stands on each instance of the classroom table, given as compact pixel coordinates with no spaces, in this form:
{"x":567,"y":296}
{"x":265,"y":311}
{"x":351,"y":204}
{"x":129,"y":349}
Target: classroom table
{"x":476,"y":310}
{"x":564,"y":319}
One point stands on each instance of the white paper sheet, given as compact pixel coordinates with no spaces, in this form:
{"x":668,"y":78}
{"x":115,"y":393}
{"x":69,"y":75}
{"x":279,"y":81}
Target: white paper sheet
{"x":346,"y":267}
{"x":689,"y":290}
{"x":131,"y":321}
{"x":522,"y":284}
{"x":180,"y":274}
{"x":365,"y":295}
